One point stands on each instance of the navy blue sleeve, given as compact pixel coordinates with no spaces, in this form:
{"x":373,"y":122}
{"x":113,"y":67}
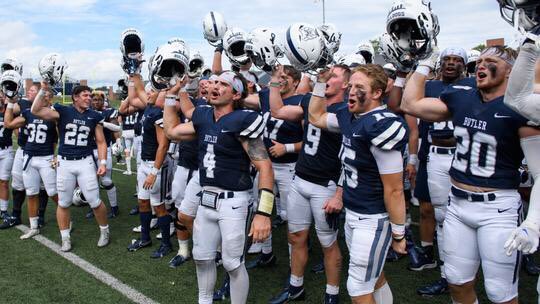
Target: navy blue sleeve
{"x":389,"y":133}
{"x":252,"y":124}
{"x":59,"y":108}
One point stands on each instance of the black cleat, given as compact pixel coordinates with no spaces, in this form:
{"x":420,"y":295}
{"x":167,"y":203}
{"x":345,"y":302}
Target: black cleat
{"x":529,"y":265}
{"x":436,"y":288}
{"x":178,"y":260}
{"x":114,"y":212}
{"x":162,"y":251}
{"x":331,"y":299}
{"x":261,"y":261}
{"x":225,"y":291}
{"x":90,"y":214}
{"x":138,"y":244}
{"x":420,"y":260}
{"x":134,"y":210}
{"x":318,"y":268}
{"x":287,"y":295}
{"x":9,"y":222}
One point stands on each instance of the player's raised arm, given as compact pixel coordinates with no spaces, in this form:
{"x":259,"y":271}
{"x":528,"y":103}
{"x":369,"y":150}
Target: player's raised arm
{"x":414,"y":101}
{"x":140,"y":102}
{"x":317,"y":105}
{"x":10,"y":121}
{"x":173,"y":128}
{"x":520,"y":94}
{"x":278,"y":110}
{"x":40,"y":106}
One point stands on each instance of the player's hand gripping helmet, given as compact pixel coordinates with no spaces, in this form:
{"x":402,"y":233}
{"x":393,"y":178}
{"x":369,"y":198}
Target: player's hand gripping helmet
{"x":234,"y":41}
{"x":169,"y":64}
{"x":11,"y":64}
{"x":262,"y":49}
{"x":413,"y":26}
{"x":52,"y":67}
{"x":305,"y":47}
{"x":10,"y":82}
{"x":214,"y":28}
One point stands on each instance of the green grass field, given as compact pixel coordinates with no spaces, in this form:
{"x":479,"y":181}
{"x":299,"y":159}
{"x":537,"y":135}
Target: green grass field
{"x":34,"y":274}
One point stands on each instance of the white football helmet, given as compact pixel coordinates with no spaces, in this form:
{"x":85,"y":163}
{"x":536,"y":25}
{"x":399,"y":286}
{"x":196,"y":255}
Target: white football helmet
{"x":524,"y":15}
{"x":78,"y":198}
{"x":352,"y":60}
{"x":116,"y":149}
{"x":403,"y":61}
{"x":366,"y":49}
{"x":332,"y":37}
{"x":261,"y":48}
{"x":131,"y":43}
{"x":196,"y":63}
{"x":174,"y":40}
{"x":305,"y":47}
{"x":10,"y":82}
{"x":11,"y":64}
{"x":472,"y":57}
{"x":206,"y":72}
{"x":52,"y":67}
{"x":234,"y":41}
{"x":214,"y":28}
{"x":413,"y":26}
{"x":169,"y":64}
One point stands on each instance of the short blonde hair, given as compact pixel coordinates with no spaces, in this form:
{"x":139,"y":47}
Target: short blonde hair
{"x":376,"y":74}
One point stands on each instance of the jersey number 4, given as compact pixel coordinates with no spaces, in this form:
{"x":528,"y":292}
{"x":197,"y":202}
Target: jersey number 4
{"x":209,"y":161}
{"x":76,"y":135}
{"x":478,"y":154}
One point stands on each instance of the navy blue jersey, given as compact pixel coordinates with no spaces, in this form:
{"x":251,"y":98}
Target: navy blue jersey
{"x":488,"y":152}
{"x":152,"y":117}
{"x":108,"y":115}
{"x":42,"y":135}
{"x":438,"y":130}
{"x":188,"y":150}
{"x":129,"y":121}
{"x":5,"y":134}
{"x":23,"y":133}
{"x":318,"y":161}
{"x":77,"y":131}
{"x":362,"y":187}
{"x":138,"y":125}
{"x":284,"y":132}
{"x":223,"y":162}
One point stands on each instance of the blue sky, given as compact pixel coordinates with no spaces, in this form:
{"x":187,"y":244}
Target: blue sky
{"x":87,"y":32}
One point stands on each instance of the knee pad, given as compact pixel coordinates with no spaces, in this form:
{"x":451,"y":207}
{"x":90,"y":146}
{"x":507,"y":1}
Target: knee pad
{"x":499,"y":291}
{"x":107,"y":183}
{"x":230,"y":264}
{"x":327,"y":237}
{"x":358,"y":288}
{"x":64,"y":202}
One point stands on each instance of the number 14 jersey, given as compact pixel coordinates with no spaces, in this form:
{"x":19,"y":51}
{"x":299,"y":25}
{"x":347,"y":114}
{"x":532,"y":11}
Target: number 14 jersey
{"x":488,"y":152}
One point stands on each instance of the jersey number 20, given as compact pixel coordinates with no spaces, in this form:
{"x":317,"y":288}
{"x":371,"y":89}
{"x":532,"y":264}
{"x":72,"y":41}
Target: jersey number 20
{"x":481,"y":150}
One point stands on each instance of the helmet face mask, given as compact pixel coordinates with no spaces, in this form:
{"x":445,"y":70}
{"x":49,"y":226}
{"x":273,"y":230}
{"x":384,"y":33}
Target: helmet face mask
{"x":261,"y":49}
{"x":11,"y":64}
{"x":195,"y":67}
{"x":131,"y":44}
{"x":10,"y":83}
{"x":521,"y":14}
{"x":169,"y":64}
{"x":234,"y":42}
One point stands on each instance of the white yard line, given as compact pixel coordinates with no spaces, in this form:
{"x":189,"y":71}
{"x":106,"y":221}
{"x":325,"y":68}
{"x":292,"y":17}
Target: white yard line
{"x":99,"y":274}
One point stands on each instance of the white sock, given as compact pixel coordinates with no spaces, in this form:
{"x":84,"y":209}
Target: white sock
{"x":239,"y":284}
{"x":128,"y":164}
{"x":206,"y":280}
{"x":3,"y":205}
{"x":103,"y":228}
{"x":183,"y":248}
{"x":33,"y":222}
{"x":332,"y":290}
{"x":296,"y":281}
{"x":383,"y":295}
{"x":290,"y":249}
{"x":111,"y":194}
{"x":267,"y":245}
{"x":425,"y":244}
{"x":65,"y":233}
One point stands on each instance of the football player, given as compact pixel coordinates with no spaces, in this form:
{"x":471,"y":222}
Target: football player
{"x":110,"y":127}
{"x":6,"y":162}
{"x":373,"y":143}
{"x":128,"y":135}
{"x":39,"y":166}
{"x":79,"y":129}
{"x":151,"y":192}
{"x":317,"y":172}
{"x":484,"y":206}
{"x":17,"y":184}
{"x":229,"y":143}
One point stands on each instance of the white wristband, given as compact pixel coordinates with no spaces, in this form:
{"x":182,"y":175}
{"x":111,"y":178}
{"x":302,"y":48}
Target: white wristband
{"x":319,"y":89}
{"x":131,"y":84}
{"x":413,"y":159}
{"x":400,"y":82}
{"x":424,"y":70}
{"x":40,"y":93}
{"x":398,"y":229}
{"x":154,"y":171}
{"x":289,"y":148}
{"x":10,"y":105}
{"x":103,"y":162}
{"x":170,"y":101}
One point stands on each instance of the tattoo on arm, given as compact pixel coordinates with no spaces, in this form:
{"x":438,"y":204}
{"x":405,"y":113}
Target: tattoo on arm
{"x":256,"y":149}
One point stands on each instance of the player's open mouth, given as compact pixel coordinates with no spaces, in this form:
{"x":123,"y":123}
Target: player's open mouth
{"x":481,"y":75}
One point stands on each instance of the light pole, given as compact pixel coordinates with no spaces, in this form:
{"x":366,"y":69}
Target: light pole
{"x":323,"y":13}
